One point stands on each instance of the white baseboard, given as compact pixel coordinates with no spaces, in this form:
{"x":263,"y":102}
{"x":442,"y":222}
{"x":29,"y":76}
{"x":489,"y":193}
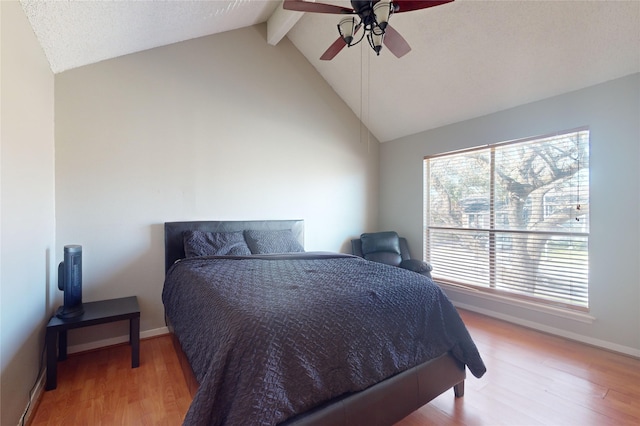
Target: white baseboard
{"x":626,"y":350}
{"x":33,"y":400}
{"x":115,"y":340}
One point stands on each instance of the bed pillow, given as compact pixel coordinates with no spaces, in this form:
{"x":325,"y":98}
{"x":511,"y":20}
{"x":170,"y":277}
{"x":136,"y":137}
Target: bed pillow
{"x":201,"y":243}
{"x":272,"y":241}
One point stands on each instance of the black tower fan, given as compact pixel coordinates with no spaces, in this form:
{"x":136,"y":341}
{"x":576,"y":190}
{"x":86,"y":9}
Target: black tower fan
{"x":70,"y":282}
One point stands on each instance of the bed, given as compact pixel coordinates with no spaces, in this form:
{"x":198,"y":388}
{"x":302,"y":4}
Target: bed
{"x":276,"y":335}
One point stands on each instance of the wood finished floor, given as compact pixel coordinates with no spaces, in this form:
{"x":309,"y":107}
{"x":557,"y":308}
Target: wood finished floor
{"x":100,"y":388}
{"x":532,"y":379}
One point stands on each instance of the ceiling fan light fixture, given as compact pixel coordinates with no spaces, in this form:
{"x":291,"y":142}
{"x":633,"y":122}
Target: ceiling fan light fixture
{"x":374,"y":17}
{"x":382,"y":11}
{"x":375,"y":41}
{"x":346,"y":28}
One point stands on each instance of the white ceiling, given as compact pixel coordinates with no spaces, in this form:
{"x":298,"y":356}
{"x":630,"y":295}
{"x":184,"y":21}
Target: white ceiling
{"x":469,"y":58}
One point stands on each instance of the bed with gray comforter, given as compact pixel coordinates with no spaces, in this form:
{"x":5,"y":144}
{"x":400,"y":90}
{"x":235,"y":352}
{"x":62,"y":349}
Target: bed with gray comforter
{"x":271,"y":336}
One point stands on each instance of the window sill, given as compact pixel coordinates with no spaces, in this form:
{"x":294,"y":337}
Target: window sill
{"x":538,"y":307}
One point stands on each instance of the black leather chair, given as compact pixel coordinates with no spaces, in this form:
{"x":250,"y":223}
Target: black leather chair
{"x":388,"y":247}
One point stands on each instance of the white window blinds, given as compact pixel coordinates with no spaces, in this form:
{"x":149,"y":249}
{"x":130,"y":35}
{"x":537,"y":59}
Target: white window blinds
{"x":512,"y":218}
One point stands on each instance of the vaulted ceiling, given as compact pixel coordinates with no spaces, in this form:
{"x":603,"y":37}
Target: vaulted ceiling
{"x":469,"y":58}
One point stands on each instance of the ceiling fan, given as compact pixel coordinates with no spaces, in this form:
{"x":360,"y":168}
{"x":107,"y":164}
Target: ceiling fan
{"x":373,"y":17}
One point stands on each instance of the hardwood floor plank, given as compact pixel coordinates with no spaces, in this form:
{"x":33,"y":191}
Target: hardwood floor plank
{"x":532,"y":379}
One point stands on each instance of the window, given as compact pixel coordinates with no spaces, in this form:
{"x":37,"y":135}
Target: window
{"x":512,"y":218}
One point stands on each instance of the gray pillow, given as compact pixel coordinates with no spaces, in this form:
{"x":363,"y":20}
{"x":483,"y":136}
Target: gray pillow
{"x":201,"y":243}
{"x":272,"y":241}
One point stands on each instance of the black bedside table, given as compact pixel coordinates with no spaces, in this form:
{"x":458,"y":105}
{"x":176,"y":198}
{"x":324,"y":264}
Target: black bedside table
{"x":100,"y":312}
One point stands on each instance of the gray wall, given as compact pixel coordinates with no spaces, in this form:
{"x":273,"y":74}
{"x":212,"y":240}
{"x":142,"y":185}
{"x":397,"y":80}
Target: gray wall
{"x":27,"y":248}
{"x":218,"y":128}
{"x":612,"y":112}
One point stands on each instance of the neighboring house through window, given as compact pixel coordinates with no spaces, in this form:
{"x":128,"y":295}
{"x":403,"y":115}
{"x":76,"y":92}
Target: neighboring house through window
{"x":512,"y":218}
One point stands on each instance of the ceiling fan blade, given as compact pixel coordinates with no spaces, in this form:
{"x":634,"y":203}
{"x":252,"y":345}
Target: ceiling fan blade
{"x":333,"y":50}
{"x":395,"y":42}
{"x":337,"y":46}
{"x":409,"y":5}
{"x":305,"y":6}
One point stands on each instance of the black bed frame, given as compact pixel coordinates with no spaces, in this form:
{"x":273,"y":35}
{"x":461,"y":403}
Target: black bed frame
{"x":384,"y":403}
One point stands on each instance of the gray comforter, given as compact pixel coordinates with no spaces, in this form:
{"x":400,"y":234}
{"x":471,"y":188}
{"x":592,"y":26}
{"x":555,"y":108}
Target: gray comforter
{"x":272,"y":336}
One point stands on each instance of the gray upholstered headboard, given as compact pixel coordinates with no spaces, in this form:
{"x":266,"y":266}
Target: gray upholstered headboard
{"x":173,"y":243}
